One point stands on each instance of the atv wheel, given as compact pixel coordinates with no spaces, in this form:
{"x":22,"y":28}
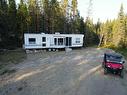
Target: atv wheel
{"x":122,"y":74}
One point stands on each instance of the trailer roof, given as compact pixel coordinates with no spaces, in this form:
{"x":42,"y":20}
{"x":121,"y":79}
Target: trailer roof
{"x":48,"y":34}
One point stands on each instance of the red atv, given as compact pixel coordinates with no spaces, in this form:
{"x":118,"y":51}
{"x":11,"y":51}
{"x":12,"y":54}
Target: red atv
{"x":113,"y":62}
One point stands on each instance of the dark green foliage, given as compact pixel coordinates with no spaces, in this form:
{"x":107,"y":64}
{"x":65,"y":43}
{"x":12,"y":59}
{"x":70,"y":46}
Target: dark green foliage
{"x":12,"y":17}
{"x":91,"y":37}
{"x":3,"y":22}
{"x":8,"y":24}
{"x":22,"y":24}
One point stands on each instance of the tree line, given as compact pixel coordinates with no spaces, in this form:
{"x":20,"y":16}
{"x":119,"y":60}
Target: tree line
{"x":113,"y":33}
{"x":50,"y":16}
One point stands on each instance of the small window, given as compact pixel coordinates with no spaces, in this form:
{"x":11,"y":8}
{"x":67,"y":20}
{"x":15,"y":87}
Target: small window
{"x":55,"y":41}
{"x":44,"y":45}
{"x":32,"y":41}
{"x":43,"y":39}
{"x":77,"y":40}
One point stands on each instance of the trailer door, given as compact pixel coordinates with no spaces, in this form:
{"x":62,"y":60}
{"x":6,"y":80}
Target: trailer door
{"x":68,"y":41}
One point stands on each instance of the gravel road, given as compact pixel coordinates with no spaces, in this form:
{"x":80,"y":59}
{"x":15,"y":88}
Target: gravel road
{"x":78,"y":72}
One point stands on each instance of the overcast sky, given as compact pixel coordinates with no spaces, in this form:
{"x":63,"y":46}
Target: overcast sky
{"x":102,"y":9}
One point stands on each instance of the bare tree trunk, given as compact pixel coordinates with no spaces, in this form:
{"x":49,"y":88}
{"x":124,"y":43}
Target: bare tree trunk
{"x":101,"y":40}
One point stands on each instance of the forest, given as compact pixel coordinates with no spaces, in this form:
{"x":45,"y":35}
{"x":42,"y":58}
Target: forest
{"x":50,"y":16}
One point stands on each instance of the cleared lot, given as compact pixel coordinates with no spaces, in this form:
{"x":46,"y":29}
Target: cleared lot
{"x":77,"y":72}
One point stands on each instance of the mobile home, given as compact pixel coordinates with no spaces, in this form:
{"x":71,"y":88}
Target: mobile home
{"x":53,"y":41}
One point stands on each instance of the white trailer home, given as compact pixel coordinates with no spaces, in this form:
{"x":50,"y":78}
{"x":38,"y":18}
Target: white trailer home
{"x":52,"y":41}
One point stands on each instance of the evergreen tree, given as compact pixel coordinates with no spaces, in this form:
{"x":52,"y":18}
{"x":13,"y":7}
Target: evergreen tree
{"x":22,"y":17}
{"x":65,"y":8}
{"x":34,"y":14}
{"x":82,"y":26}
{"x":75,"y":16}
{"x":3,"y":23}
{"x":120,"y":32}
{"x":46,"y":16}
{"x":125,"y":39}
{"x":12,"y":24}
{"x":12,"y":15}
{"x":91,"y":37}
{"x":54,"y":7}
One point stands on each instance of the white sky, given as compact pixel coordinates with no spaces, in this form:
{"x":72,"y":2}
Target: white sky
{"x":102,"y":9}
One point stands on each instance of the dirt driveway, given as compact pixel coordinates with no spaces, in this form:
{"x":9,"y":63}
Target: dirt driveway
{"x":77,"y":72}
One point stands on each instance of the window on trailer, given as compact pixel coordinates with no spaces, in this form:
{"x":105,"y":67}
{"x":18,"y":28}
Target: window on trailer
{"x":55,"y":41}
{"x":32,"y":41}
{"x":77,"y":40}
{"x":44,"y":45}
{"x":43,"y":39}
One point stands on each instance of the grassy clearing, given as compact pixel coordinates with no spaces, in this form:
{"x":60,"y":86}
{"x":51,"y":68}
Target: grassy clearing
{"x":122,"y":51}
{"x":6,"y":70}
{"x":10,"y":57}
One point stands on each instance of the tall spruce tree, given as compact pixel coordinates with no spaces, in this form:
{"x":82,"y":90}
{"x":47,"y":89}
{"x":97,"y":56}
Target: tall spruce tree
{"x":120,"y":30}
{"x":46,"y":16}
{"x":22,"y":17}
{"x":91,"y":37}
{"x":12,"y":15}
{"x":65,"y":11}
{"x":54,"y":9}
{"x":3,"y":23}
{"x":74,"y":16}
{"x":12,"y":24}
{"x":33,"y":8}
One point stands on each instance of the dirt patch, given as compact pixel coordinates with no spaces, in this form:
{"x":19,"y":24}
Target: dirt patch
{"x":77,"y":72}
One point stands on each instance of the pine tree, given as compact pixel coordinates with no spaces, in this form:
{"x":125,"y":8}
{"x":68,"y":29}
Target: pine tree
{"x":125,"y":31}
{"x":65,"y":11}
{"x":22,"y":17}
{"x":34,"y":14}
{"x":46,"y":16}
{"x":91,"y":37}
{"x":12,"y":24}
{"x":119,"y":34}
{"x":74,"y":8}
{"x":82,"y":26}
{"x":54,"y":5}
{"x":3,"y":23}
{"x":74,"y":16}
{"x":12,"y":14}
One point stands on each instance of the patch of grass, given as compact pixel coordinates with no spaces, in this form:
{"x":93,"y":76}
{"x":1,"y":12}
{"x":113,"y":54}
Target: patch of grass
{"x":6,"y":70}
{"x":12,"y":56}
{"x":123,"y":51}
